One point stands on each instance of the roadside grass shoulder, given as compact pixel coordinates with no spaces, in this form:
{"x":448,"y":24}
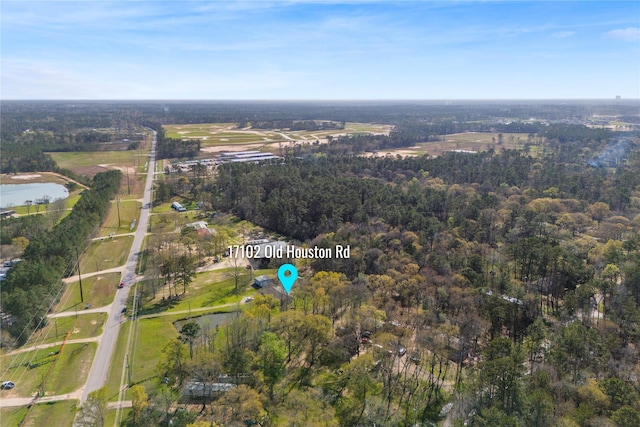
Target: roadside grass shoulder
{"x":153,"y":336}
{"x":110,"y":419}
{"x":105,"y":254}
{"x":128,"y":211}
{"x":12,"y":416}
{"x":69,"y":374}
{"x":97,"y":290}
{"x":71,"y":371}
{"x":82,"y":326}
{"x":61,"y":413}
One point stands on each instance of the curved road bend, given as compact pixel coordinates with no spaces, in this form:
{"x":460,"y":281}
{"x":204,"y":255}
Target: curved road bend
{"x":102,"y":359}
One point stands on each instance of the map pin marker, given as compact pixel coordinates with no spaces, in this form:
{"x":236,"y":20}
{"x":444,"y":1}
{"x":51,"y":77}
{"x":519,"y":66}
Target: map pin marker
{"x":287,"y":281}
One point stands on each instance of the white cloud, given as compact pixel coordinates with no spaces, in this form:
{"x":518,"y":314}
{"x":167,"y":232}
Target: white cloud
{"x":563,"y":34}
{"x":631,"y":34}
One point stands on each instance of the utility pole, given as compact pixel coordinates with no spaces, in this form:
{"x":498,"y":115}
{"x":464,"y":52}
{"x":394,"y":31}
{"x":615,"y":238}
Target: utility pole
{"x":128,"y":369}
{"x":79,"y":277}
{"x":118,"y":201}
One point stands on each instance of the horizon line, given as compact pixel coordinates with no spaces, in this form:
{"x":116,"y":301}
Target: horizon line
{"x":309,"y":99}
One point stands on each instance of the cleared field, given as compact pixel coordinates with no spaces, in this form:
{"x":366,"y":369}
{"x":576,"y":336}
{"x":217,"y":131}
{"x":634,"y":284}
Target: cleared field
{"x":153,"y":335}
{"x":82,"y":326}
{"x":97,"y":290}
{"x":105,"y":159}
{"x":91,"y":162}
{"x":127,"y":211}
{"x":12,"y":416}
{"x":168,"y":220}
{"x":63,"y":412}
{"x":75,"y":359}
{"x":468,"y":141}
{"x":208,"y":289}
{"x":223,"y":134}
{"x":105,"y":254}
{"x":197,"y":129}
{"x":42,"y":414}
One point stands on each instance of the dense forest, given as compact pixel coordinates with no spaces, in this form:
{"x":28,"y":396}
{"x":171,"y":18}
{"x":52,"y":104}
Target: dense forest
{"x":488,"y":267}
{"x":171,"y":148}
{"x":51,"y":254}
{"x":494,"y":289}
{"x":512,"y":281}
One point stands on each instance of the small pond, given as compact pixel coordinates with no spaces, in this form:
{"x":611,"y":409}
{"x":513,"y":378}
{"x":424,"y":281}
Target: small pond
{"x":207,"y":321}
{"x":18,"y":194}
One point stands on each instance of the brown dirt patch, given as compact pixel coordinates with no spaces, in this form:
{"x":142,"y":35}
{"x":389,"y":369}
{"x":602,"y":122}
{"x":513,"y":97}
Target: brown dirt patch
{"x":229,"y":148}
{"x":89,"y":171}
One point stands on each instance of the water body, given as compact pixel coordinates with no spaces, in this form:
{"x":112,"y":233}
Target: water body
{"x":207,"y":321}
{"x":17,"y":194}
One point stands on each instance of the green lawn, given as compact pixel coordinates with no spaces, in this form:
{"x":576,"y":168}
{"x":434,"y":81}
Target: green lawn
{"x":71,"y":160}
{"x":61,"y":413}
{"x":97,"y":290}
{"x":153,"y":335}
{"x":12,"y":416}
{"x":82,"y":326}
{"x":75,"y":359}
{"x":111,"y":416}
{"x":117,"y":363}
{"x":128,"y":211}
{"x":208,"y":289}
{"x":105,"y":254}
{"x":68,"y":203}
{"x":168,"y":220}
{"x":162,"y":208}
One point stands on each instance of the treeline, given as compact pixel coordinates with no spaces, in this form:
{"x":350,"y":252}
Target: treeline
{"x":171,"y":148}
{"x":294,"y":125}
{"x":567,"y":140}
{"x":18,"y":157}
{"x":303,"y":198}
{"x":33,"y":284}
{"x":510,"y":277}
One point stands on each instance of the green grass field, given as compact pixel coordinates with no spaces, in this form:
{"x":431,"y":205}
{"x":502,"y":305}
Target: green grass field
{"x":129,"y":210}
{"x":469,"y":141}
{"x":12,"y":416}
{"x":153,"y":335}
{"x":221,"y":134}
{"x":111,"y":416}
{"x":105,"y":254}
{"x":43,"y":414}
{"x":165,"y":221}
{"x":82,"y":326}
{"x":208,"y":289}
{"x":97,"y":290}
{"x":63,"y":412}
{"x":75,"y":159}
{"x":69,"y":373}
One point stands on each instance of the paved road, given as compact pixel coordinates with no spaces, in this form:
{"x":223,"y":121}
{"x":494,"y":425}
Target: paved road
{"x":102,"y":359}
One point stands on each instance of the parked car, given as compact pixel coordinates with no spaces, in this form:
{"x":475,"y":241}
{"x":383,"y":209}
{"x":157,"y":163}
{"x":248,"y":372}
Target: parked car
{"x":124,"y":310}
{"x":8,"y":385}
{"x":87,"y":307}
{"x":121,"y":285}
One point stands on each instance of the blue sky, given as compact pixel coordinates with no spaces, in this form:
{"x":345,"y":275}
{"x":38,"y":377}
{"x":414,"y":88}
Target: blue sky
{"x":320,"y":50}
